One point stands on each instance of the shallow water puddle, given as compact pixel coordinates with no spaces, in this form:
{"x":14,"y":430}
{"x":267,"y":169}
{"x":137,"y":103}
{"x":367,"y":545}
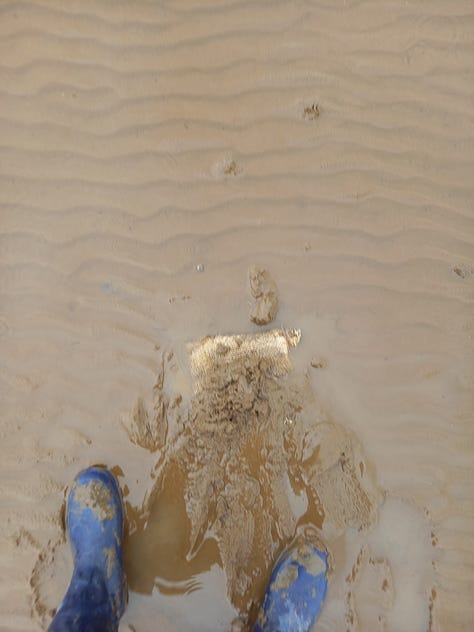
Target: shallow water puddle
{"x":157,"y":553}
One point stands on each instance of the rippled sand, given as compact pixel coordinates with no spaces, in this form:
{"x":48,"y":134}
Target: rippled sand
{"x":150,"y":154}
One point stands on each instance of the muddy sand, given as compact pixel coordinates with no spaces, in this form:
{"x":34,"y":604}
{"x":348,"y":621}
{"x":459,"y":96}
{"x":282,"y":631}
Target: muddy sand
{"x":174,"y":172}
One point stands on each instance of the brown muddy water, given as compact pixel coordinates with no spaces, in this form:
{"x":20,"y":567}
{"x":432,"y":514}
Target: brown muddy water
{"x":151,"y":155}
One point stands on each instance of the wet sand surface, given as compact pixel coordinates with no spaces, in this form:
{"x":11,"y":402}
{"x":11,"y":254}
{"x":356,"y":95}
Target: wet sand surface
{"x":151,"y":154}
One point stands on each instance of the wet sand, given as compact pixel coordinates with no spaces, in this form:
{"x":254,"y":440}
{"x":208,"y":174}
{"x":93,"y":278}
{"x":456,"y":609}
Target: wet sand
{"x":150,"y":155}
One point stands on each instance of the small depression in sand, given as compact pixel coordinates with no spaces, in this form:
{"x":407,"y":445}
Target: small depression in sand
{"x":245,"y":463}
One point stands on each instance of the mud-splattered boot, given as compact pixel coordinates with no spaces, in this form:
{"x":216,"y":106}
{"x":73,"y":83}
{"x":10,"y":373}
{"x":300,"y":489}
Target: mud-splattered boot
{"x":97,"y":594}
{"x":296,"y":590}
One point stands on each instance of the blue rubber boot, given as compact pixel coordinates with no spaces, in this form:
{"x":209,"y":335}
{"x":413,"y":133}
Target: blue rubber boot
{"x":97,"y":595}
{"x":296,"y":590}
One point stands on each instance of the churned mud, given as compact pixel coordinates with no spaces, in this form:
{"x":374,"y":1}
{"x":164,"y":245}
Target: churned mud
{"x":240,"y":460}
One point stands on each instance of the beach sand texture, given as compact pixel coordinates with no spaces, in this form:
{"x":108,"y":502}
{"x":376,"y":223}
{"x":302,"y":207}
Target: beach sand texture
{"x":150,"y":154}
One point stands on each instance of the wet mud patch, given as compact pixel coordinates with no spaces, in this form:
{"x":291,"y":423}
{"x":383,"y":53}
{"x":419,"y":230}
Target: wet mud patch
{"x":246,"y":466}
{"x":147,"y":425}
{"x":246,"y":462}
{"x":383,"y":578}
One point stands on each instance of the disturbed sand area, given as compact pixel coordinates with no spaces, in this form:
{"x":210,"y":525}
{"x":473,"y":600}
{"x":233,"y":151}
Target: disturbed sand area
{"x":151,"y":154}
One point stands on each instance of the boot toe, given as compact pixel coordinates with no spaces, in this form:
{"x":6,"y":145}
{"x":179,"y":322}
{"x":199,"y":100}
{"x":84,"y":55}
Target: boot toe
{"x":296,"y":591}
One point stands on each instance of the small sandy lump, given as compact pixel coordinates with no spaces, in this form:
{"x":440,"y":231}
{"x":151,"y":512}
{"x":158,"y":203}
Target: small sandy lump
{"x":264,"y":290}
